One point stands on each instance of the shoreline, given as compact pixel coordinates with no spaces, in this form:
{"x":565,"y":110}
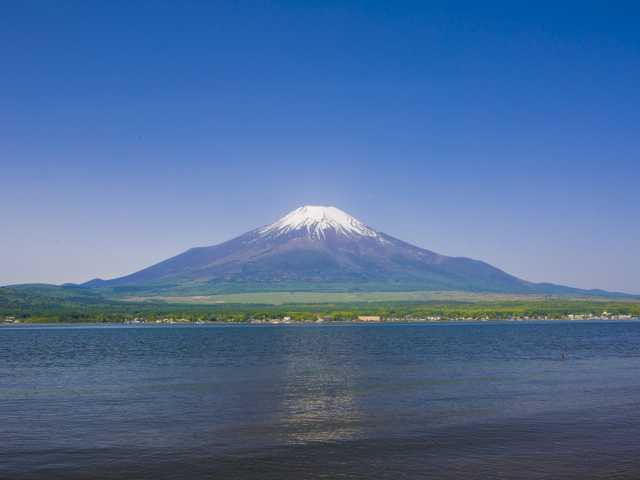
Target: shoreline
{"x":320,"y":324}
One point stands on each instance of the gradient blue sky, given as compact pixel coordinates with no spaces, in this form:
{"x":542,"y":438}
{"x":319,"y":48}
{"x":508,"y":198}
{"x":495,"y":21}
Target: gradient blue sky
{"x":507,"y":132}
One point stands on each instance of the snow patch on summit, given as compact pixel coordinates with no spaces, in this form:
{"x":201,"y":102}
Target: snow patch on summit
{"x":317,"y":220}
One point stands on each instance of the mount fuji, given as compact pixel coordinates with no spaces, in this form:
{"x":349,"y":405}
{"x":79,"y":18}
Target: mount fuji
{"x":323,"y":248}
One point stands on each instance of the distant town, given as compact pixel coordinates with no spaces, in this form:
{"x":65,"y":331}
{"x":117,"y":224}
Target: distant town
{"x":140,"y":320}
{"x":381,"y":319}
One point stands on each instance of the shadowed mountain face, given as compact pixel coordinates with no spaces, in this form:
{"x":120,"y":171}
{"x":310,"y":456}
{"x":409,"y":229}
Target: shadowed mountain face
{"x":324,"y":246}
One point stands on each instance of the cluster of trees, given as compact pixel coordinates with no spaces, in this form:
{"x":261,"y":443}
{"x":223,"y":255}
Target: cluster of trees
{"x":121,"y":312}
{"x":48,"y":303}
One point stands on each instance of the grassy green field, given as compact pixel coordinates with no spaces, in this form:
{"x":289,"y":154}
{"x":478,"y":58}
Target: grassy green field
{"x":293,"y":298}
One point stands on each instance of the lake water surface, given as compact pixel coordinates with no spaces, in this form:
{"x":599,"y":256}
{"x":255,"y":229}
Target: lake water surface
{"x":470,"y":401}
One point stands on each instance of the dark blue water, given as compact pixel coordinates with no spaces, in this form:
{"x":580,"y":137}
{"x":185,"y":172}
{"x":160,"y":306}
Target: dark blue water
{"x":332,"y":401}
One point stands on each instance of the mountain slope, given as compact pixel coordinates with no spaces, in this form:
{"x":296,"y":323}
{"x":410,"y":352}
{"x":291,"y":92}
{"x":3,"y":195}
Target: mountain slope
{"x":327,"y":248}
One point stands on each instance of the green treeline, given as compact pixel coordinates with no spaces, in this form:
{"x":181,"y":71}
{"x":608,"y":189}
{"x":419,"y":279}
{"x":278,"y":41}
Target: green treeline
{"x":55,"y":304}
{"x":118,"y":312}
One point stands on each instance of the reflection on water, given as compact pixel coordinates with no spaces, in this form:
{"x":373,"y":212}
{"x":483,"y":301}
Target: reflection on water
{"x":318,"y":401}
{"x":352,"y":401}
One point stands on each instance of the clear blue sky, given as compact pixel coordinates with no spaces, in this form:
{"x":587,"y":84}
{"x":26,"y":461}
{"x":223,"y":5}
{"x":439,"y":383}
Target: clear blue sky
{"x":507,"y":132}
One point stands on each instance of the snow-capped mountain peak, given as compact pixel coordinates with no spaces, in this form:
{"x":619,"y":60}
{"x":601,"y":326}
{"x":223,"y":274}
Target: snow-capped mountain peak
{"x":323,"y":248}
{"x":317,"y":221}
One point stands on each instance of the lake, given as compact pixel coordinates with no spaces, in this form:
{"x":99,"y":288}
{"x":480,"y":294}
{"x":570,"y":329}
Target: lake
{"x":352,"y":401}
